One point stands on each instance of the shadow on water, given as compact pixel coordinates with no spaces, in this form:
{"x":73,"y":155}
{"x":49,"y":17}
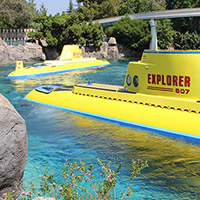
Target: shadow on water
{"x":55,"y":135}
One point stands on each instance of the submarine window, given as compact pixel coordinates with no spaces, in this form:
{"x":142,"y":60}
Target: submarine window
{"x":135,"y":81}
{"x":128,"y":80}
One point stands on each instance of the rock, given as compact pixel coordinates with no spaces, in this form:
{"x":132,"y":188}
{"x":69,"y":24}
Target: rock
{"x":113,"y":52}
{"x":124,"y":52}
{"x":104,"y":47}
{"x":89,"y":52}
{"x":83,"y":50}
{"x":28,"y":52}
{"x":13,"y":148}
{"x":43,"y":43}
{"x":4,"y":56}
{"x":109,"y":49}
{"x":51,"y":53}
{"x":104,"y":50}
{"x":112,"y":42}
{"x":2,"y":43}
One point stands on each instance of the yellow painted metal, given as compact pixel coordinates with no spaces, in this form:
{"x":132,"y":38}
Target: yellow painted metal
{"x":70,"y":59}
{"x":70,"y":52}
{"x":162,"y":91}
{"x":108,"y":104}
{"x":56,"y":68}
{"x":19,"y":66}
{"x":167,"y":74}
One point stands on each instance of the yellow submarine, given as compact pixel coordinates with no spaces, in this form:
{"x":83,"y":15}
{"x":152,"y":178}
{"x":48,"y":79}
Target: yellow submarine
{"x":70,"y":59}
{"x":160,"y":94}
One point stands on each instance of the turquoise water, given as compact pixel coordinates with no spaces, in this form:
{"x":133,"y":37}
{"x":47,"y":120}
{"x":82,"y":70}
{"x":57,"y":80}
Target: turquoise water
{"x":55,"y":135}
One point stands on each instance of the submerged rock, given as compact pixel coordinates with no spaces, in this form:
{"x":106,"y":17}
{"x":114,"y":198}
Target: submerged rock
{"x":13,"y":148}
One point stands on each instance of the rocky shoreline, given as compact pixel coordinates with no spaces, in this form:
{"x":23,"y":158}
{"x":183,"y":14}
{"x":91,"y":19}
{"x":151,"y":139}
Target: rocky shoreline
{"x":28,"y":52}
{"x":109,"y":49}
{"x":35,"y":52}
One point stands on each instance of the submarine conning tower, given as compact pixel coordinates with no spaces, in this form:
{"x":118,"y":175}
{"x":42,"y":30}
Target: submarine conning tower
{"x":165,"y":73}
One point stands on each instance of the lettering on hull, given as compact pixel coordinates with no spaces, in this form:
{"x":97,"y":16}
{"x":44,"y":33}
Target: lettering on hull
{"x":162,"y":83}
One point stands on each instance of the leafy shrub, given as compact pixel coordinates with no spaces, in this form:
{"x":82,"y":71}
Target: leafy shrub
{"x":165,"y":33}
{"x":187,"y":40}
{"x":80,"y":182}
{"x":134,"y":34}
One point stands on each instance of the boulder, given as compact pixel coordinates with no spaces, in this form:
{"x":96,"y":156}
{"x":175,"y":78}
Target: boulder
{"x":113,"y":52}
{"x":13,"y":148}
{"x":112,"y":41}
{"x":28,"y":52}
{"x":104,"y":50}
{"x":51,"y":53}
{"x":4,"y":56}
{"x":109,"y":49}
{"x":2,"y":43}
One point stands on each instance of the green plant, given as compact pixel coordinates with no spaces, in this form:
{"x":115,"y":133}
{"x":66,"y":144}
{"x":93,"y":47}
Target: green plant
{"x":81,"y":183}
{"x":187,"y":41}
{"x":134,"y":34}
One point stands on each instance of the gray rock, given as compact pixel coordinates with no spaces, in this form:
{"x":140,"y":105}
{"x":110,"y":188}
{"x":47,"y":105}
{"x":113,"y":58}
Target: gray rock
{"x":103,"y":50}
{"x":43,"y":42}
{"x":4,"y":57}
{"x":2,"y":43}
{"x":113,"y":52}
{"x":83,"y":50}
{"x":13,"y":148}
{"x":28,"y":52}
{"x":51,"y":53}
{"x":112,"y":42}
{"x":109,"y":49}
{"x":104,"y":47}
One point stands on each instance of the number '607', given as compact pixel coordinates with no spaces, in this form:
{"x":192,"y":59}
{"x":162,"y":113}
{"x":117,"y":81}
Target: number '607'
{"x":182,"y":91}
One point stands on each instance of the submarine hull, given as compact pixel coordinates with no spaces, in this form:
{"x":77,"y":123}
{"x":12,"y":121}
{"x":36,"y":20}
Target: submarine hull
{"x":70,"y":59}
{"x":114,"y":104}
{"x":59,"y":67}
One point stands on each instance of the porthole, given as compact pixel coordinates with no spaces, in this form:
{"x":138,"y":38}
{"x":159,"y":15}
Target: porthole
{"x":135,"y":81}
{"x":128,"y":80}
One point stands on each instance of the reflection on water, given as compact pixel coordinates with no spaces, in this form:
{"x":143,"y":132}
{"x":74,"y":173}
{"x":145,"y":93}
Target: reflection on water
{"x":55,"y":135}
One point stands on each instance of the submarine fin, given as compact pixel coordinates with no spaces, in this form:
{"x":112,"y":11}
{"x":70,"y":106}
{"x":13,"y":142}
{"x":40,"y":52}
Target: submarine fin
{"x":19,"y":65}
{"x":70,"y":52}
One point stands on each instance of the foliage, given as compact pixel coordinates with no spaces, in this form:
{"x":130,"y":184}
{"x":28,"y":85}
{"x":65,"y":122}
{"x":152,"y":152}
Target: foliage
{"x":42,"y":10}
{"x":187,"y":40}
{"x":92,"y":10}
{"x":165,"y":33}
{"x":174,"y":4}
{"x":139,"y":6}
{"x":80,"y":182}
{"x":76,"y":27}
{"x":185,"y":24}
{"x":70,"y":6}
{"x":134,"y":34}
{"x":16,"y":14}
{"x":66,"y":29}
